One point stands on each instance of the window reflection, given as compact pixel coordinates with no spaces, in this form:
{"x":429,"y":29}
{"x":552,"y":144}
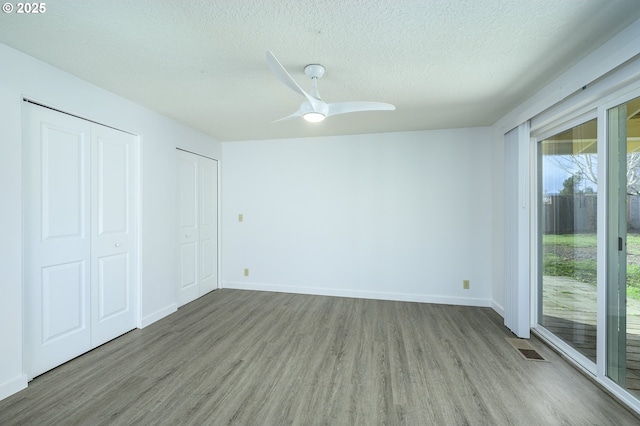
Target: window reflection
{"x":568,"y":244}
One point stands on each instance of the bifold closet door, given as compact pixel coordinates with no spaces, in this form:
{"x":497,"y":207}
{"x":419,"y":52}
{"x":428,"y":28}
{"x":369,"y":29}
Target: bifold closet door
{"x":208,"y":224}
{"x":79,"y":237}
{"x":57,"y":241}
{"x":197,"y":225}
{"x":113,"y":263}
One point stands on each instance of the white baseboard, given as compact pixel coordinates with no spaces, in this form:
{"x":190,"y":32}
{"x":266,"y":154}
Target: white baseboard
{"x":157,"y":315}
{"x":499,"y":309}
{"x":12,"y":386}
{"x":358,"y":294}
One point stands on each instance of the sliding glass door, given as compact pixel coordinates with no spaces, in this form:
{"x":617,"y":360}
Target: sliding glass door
{"x":567,"y":250}
{"x":623,"y":251}
{"x":589,"y":275}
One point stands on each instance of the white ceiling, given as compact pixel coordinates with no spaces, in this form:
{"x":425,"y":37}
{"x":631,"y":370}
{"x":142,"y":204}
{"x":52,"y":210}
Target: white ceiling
{"x":443,"y":63}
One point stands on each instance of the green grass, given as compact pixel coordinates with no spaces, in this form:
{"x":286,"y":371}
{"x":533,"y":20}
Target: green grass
{"x":581,"y":270}
{"x":559,"y":261}
{"x":633,"y":281}
{"x":571,"y":240}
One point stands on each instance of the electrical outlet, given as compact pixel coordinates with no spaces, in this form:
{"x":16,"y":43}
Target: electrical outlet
{"x":246,"y":272}
{"x":465,"y":284}
{"x":240,"y":217}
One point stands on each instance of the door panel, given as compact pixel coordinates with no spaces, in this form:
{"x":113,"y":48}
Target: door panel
{"x":208,"y":221}
{"x":188,"y":179}
{"x":207,"y":269}
{"x":622,"y":288}
{"x":567,"y":226}
{"x":64,"y":308}
{"x":113,"y":239}
{"x":63,"y":171}
{"x":197,"y":225}
{"x":113,"y":177}
{"x":189,"y":283}
{"x":56,"y":238}
{"x":115,"y":299}
{"x":187,"y":265}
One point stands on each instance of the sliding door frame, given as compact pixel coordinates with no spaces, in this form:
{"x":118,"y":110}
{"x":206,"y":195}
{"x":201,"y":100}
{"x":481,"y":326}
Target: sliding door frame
{"x":604,"y":241}
{"x":597,"y":108}
{"x":537,"y":136}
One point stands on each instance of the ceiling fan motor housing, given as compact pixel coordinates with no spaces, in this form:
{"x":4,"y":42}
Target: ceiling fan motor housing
{"x":314,"y":70}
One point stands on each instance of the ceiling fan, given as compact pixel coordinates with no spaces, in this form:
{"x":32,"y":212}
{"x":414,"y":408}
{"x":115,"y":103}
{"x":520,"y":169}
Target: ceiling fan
{"x":314,"y":109}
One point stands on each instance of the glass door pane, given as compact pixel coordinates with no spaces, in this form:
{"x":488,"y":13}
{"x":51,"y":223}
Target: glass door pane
{"x":623,"y":283}
{"x":568,"y":244}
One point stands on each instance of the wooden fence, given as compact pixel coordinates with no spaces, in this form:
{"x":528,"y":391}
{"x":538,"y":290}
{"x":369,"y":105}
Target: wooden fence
{"x":567,"y":214}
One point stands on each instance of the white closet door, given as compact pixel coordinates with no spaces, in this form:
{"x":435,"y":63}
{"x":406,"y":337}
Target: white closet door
{"x":208,"y":224}
{"x":79,"y":236}
{"x":188,"y":246}
{"x":56,"y":239}
{"x":197,"y":225}
{"x":113,"y":263}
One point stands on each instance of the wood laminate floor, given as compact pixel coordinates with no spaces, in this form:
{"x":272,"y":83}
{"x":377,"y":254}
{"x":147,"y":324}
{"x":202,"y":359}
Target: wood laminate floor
{"x":257,"y":358}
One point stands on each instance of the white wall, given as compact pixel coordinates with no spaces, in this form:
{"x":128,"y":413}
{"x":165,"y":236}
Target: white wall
{"x":402,"y":216}
{"x":25,"y":76}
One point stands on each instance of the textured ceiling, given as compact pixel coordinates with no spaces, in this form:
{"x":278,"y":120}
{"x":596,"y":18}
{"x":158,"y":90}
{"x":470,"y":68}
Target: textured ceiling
{"x":443,"y":63}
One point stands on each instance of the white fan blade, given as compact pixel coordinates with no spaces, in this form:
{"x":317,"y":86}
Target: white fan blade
{"x":296,"y":114}
{"x":345,"y":107}
{"x":281,"y":73}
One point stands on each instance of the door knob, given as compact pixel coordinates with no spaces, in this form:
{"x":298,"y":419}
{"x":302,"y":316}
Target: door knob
{"x":117,"y":244}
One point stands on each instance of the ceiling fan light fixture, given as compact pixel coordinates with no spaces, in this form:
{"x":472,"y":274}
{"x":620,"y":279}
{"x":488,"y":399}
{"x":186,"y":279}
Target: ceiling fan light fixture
{"x":314,"y":117}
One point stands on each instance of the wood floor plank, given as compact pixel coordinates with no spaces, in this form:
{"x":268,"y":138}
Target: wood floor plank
{"x":257,"y":358}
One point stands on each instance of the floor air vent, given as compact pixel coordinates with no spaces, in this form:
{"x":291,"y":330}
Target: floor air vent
{"x":525,"y":349}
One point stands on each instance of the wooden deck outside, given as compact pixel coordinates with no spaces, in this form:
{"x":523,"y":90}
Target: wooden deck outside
{"x":570,"y":313}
